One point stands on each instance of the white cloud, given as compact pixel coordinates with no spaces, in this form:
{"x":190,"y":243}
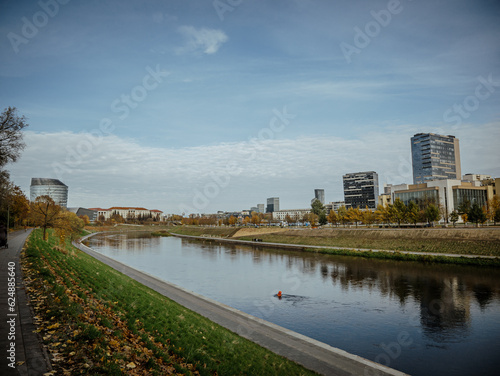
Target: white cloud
{"x":230,"y":176}
{"x":206,"y":40}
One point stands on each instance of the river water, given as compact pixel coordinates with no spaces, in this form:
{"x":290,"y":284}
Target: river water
{"x":417,"y":318}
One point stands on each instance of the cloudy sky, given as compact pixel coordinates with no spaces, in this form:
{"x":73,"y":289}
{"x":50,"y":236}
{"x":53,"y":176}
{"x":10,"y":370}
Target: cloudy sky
{"x":199,"y":106}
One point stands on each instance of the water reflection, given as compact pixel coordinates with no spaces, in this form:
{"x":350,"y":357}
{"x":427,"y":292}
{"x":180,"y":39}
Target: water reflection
{"x":449,"y":312}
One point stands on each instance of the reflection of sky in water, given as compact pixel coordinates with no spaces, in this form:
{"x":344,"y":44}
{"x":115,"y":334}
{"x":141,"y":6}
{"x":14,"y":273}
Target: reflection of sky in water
{"x":361,"y":306}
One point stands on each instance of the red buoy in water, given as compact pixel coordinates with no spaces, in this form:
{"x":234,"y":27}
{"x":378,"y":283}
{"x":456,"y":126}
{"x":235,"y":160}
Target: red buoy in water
{"x":279,"y":294}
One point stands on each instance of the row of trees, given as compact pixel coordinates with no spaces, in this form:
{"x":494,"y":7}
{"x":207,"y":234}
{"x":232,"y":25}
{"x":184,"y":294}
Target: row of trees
{"x":15,"y":209}
{"x":399,"y":213}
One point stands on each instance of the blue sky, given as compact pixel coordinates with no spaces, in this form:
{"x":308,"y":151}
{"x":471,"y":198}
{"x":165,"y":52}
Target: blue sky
{"x":186,"y":106}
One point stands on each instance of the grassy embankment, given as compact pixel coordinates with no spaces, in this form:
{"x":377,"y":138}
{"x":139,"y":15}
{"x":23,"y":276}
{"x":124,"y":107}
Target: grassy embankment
{"x":95,"y":320}
{"x":470,"y":241}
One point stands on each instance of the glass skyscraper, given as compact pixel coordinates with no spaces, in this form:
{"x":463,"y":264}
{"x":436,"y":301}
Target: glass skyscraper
{"x":435,"y":157}
{"x":55,"y":189}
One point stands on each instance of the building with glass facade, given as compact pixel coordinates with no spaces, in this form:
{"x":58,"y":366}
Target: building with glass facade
{"x":361,"y":190}
{"x":447,"y":194}
{"x":435,"y":157}
{"x":55,"y":189}
{"x":273,"y":204}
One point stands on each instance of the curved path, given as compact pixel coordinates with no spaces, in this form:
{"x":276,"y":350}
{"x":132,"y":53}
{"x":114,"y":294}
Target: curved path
{"x":30,"y":358}
{"x":306,"y":351}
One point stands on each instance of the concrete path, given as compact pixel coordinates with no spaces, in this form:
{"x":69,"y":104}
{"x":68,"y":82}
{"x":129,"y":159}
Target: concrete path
{"x":17,"y":329}
{"x":303,"y":246}
{"x":306,"y":351}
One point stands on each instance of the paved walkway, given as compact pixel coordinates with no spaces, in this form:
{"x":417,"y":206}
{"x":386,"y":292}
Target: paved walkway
{"x":304,"y":246}
{"x":312,"y":354}
{"x":28,"y":356}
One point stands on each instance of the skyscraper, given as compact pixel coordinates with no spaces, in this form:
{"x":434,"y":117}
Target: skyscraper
{"x":319,"y":194}
{"x":361,"y":190}
{"x":435,"y":157}
{"x":55,"y":189}
{"x":273,"y":204}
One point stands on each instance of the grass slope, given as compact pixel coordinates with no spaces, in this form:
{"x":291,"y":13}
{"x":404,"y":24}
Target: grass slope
{"x":95,"y":320}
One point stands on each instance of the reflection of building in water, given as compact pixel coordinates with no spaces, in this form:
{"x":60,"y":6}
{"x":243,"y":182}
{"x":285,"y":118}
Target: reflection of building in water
{"x":444,"y":306}
{"x":126,"y":242}
{"x":444,"y":297}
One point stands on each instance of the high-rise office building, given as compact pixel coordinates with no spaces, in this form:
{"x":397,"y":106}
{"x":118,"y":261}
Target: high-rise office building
{"x":319,"y":194}
{"x":361,"y":190}
{"x":273,"y":204}
{"x":55,"y":189}
{"x":435,"y":157}
{"x":261,"y":208}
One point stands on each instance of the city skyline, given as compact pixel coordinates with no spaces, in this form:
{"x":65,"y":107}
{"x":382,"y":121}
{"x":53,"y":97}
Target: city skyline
{"x":183,"y":106}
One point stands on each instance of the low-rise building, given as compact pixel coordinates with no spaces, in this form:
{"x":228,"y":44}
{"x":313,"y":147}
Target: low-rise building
{"x":295,"y":214}
{"x":128,"y":213}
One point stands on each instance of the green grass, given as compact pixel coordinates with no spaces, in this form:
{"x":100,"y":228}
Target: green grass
{"x":100,"y":321}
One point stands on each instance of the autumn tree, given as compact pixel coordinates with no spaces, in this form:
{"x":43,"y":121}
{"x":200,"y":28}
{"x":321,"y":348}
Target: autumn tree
{"x":432,"y":213}
{"x":368,"y":216}
{"x":333,"y":218}
{"x":493,"y":209}
{"x":342,"y":215}
{"x":454,"y":217}
{"x":318,"y":209}
{"x":412,"y":213}
{"x":233,"y":220}
{"x":44,"y":213}
{"x":67,"y":224}
{"x":11,"y":145}
{"x":399,"y":211}
{"x":355,"y":215}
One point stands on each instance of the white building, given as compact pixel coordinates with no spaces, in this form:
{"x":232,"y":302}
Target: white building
{"x":128,"y":213}
{"x":295,"y":214}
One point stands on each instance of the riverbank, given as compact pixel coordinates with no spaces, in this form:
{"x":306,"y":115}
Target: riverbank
{"x":458,"y":246}
{"x":96,"y":320}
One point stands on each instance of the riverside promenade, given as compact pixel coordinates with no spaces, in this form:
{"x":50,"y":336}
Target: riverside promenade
{"x":312,"y":354}
{"x":21,"y":348}
{"x":301,"y":247}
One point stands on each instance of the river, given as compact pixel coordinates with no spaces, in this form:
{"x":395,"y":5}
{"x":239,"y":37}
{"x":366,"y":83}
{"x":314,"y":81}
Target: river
{"x":418,"y":318}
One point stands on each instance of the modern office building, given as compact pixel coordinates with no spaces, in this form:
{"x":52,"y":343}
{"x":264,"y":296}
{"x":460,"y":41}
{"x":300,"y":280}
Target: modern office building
{"x":435,"y":157}
{"x":319,"y":194}
{"x":55,"y":189}
{"x":261,"y":208}
{"x":361,"y":190}
{"x":273,"y":204}
{"x":447,"y":194}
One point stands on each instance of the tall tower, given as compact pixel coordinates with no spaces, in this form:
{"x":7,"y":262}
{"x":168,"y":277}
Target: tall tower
{"x":319,"y":194}
{"x":435,"y":157}
{"x":361,"y":190}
